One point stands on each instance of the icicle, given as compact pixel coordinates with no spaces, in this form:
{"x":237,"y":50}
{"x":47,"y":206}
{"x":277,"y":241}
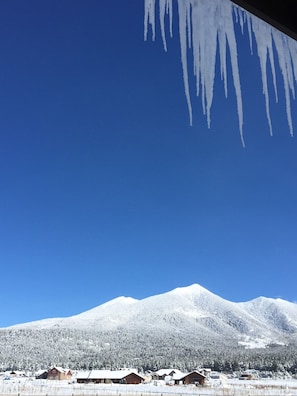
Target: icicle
{"x":223,"y":59}
{"x":260,"y":31}
{"x":149,"y":18}
{"x":271,"y":58}
{"x":293,"y":53}
{"x":204,"y":40}
{"x":205,"y":25}
{"x":188,"y":24}
{"x":182,"y":9}
{"x":169,"y":11}
{"x":241,"y":19}
{"x":162,"y":5}
{"x":165,"y":7}
{"x":279,"y":41}
{"x":250,"y":34}
{"x":229,"y":28}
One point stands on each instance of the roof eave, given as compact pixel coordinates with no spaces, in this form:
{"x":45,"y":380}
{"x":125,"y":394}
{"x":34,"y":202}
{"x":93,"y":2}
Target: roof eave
{"x":279,"y":13}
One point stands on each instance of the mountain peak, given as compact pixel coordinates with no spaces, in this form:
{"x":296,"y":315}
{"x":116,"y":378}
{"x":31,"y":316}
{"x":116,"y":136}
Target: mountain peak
{"x":194,"y":289}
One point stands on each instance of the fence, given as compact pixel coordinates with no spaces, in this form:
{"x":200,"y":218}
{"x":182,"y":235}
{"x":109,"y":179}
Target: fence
{"x":63,"y":388}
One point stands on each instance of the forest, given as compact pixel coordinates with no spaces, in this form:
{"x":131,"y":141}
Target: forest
{"x":33,"y":349}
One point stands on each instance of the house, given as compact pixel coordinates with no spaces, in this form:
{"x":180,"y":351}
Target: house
{"x":193,"y":377}
{"x":59,"y":373}
{"x":205,"y":371}
{"x":215,"y":375}
{"x":109,"y":377}
{"x":164,"y":374}
{"x":41,"y":374}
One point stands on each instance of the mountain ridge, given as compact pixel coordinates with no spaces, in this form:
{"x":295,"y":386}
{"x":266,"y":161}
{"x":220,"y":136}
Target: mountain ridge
{"x":269,"y":316}
{"x":184,"y":322}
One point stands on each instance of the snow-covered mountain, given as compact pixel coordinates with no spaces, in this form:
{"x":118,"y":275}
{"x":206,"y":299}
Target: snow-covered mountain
{"x":189,"y":318}
{"x":188,"y":309}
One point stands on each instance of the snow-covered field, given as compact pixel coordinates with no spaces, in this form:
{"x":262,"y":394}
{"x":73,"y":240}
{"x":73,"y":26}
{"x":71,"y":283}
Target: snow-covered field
{"x":27,"y":387}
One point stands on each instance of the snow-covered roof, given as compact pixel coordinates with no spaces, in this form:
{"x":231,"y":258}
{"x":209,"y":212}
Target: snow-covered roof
{"x":162,"y":372}
{"x":105,"y":374}
{"x":178,"y":376}
{"x":82,"y":374}
{"x":60,"y":369}
{"x":41,"y":371}
{"x":195,"y":372}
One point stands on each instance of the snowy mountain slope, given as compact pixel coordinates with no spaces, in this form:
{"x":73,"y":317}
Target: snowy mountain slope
{"x":108,"y":315}
{"x":275,"y":313}
{"x":182,"y":325}
{"x":187,"y":310}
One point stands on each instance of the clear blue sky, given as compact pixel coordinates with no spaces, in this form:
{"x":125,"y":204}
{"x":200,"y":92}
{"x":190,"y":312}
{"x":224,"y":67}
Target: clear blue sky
{"x":105,"y":188}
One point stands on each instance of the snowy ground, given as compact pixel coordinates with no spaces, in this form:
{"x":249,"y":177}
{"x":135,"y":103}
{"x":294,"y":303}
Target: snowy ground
{"x":27,"y":387}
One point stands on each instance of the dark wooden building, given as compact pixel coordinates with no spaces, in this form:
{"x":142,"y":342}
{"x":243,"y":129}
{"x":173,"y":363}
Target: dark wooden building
{"x":193,"y":377}
{"x":109,"y":377}
{"x":59,"y":373}
{"x":41,"y":374}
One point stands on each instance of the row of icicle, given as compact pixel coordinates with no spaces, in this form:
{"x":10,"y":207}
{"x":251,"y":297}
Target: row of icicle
{"x":207,"y":26}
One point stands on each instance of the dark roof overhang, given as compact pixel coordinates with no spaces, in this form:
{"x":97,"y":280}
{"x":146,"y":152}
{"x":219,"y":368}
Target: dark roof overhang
{"x":282,"y":14}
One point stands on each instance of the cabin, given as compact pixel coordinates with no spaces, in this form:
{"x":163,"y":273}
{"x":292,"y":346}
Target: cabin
{"x":164,"y":374}
{"x":109,"y":377}
{"x":59,"y":373}
{"x":41,"y":374}
{"x":192,"y":378}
